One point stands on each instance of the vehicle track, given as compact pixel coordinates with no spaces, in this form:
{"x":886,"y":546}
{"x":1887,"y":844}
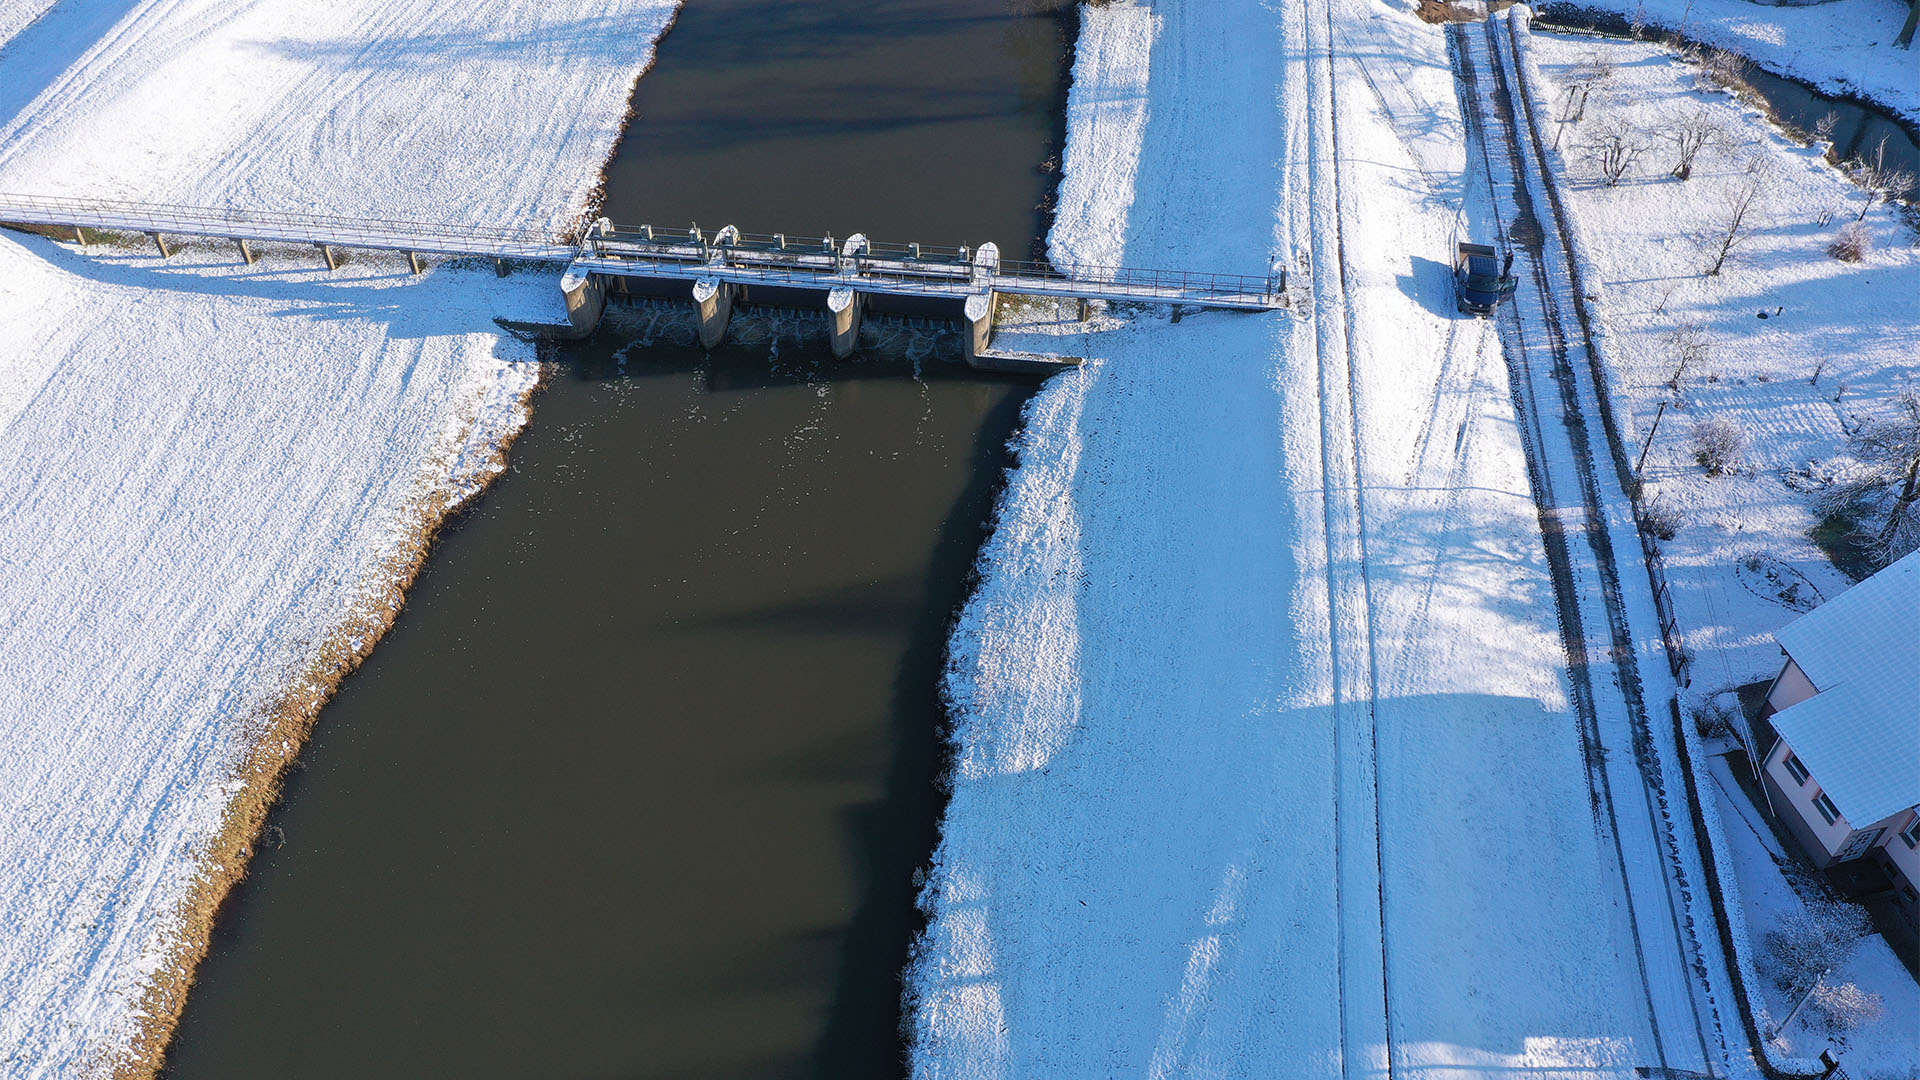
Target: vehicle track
{"x":1646,"y":754}
{"x":1350,"y":586}
{"x":1615,"y":644}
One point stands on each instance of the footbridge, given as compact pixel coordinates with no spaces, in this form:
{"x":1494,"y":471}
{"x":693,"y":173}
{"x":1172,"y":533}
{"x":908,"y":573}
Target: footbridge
{"x":714,"y":269}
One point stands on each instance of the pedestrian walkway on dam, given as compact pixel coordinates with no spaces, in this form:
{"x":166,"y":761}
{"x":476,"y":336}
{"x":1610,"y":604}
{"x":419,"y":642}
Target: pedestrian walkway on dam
{"x":715,"y":269}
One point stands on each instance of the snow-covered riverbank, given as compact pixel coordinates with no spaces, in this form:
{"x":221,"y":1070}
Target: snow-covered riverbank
{"x":1842,"y":48}
{"x":218,"y":477}
{"x":1264,"y":760}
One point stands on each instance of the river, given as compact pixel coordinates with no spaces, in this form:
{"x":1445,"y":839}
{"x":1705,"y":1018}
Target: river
{"x":639,"y":782}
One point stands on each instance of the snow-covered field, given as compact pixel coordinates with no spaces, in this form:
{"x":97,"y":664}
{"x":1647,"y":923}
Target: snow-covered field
{"x":1742,"y":563}
{"x":1265,"y":764}
{"x":216,"y":476}
{"x":1744,"y":541}
{"x":1844,"y":47}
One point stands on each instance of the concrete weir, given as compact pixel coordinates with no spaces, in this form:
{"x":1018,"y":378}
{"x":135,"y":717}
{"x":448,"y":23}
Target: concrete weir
{"x":586,"y":286}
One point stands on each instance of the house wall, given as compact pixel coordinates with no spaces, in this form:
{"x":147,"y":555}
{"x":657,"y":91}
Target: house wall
{"x":1790,"y":687}
{"x":1905,"y":861}
{"x":1793,"y":802}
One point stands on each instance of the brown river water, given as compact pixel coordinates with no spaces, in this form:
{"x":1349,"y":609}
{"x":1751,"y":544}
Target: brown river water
{"x":639,"y":782}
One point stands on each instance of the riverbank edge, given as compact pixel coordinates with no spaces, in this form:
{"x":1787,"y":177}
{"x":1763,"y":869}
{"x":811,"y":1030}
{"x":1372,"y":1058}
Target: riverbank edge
{"x":1076,"y":191}
{"x":279,"y":732}
{"x":1553,"y":15}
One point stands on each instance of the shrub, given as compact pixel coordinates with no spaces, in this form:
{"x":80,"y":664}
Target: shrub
{"x":1841,"y":1007}
{"x":1853,"y":243}
{"x":1813,"y":939}
{"x":1661,"y":515}
{"x":1719,"y":444}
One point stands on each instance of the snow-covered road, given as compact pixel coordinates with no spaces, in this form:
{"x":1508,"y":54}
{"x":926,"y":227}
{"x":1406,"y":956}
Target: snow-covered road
{"x":1265,"y":758}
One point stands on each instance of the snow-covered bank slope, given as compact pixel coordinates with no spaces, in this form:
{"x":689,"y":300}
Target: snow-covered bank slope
{"x":1166,"y":852}
{"x":495,"y":112}
{"x":196,"y":493}
{"x":1843,"y":48}
{"x":215,"y":475}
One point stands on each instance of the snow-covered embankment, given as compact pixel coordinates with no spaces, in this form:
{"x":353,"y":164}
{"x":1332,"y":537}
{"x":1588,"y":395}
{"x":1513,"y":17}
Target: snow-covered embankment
{"x":215,"y":480}
{"x":1263,"y":759}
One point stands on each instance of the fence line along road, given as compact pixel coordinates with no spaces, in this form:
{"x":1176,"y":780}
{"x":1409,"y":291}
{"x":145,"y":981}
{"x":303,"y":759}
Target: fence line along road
{"x":690,"y":254}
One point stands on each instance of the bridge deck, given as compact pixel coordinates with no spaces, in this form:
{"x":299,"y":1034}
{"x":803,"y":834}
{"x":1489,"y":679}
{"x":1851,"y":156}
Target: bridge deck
{"x":802,"y":262}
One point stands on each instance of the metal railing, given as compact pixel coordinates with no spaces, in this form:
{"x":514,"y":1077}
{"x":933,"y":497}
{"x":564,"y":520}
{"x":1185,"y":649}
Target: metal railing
{"x":114,"y":215}
{"x":775,"y":259}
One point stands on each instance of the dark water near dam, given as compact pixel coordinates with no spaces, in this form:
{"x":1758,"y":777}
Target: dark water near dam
{"x":638,"y":784}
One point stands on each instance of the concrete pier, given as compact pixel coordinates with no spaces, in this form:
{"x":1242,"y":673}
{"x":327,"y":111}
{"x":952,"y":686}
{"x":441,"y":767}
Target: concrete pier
{"x":977,"y":336}
{"x":413,"y":263}
{"x":326,"y":254}
{"x":586,"y":299}
{"x":713,"y":302}
{"x":843,"y":308}
{"x":161,"y":243}
{"x":246,"y":250}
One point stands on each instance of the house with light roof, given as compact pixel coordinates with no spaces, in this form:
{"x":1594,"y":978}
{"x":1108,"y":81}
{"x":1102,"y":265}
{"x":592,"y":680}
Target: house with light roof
{"x":1844,"y":772}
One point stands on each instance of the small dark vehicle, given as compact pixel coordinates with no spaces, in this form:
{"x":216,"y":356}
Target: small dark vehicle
{"x":1483,"y":280}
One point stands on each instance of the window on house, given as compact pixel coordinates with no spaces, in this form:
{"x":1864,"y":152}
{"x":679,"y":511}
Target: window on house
{"x":1911,"y":834}
{"x":1826,"y":808}
{"x":1797,"y":770}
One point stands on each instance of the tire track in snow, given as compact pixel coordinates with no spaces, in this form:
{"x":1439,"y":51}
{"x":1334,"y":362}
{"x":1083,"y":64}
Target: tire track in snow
{"x":1364,"y":980}
{"x":1594,"y":639}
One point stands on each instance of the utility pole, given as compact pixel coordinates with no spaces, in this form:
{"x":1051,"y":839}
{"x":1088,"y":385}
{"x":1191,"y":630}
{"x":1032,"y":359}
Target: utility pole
{"x":1641,"y":465}
{"x":1804,"y":998}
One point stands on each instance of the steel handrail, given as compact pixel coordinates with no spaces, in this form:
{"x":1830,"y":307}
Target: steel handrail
{"x":646,"y":251}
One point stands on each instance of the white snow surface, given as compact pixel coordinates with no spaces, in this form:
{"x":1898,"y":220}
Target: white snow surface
{"x":490,"y":112}
{"x":1844,"y":47}
{"x":208,"y":469}
{"x":1197,"y":641}
{"x":1742,"y":564}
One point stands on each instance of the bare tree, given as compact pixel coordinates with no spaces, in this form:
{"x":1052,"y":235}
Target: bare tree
{"x":1725,"y":70}
{"x":1692,"y":347}
{"x":1881,"y":179}
{"x":1691,"y":132}
{"x":1823,"y":127}
{"x":1613,"y":149}
{"x":1887,"y":479}
{"x":1596,"y":69}
{"x":1739,"y":207}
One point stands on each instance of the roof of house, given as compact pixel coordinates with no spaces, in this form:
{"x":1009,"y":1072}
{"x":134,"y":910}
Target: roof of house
{"x":1860,"y":734}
